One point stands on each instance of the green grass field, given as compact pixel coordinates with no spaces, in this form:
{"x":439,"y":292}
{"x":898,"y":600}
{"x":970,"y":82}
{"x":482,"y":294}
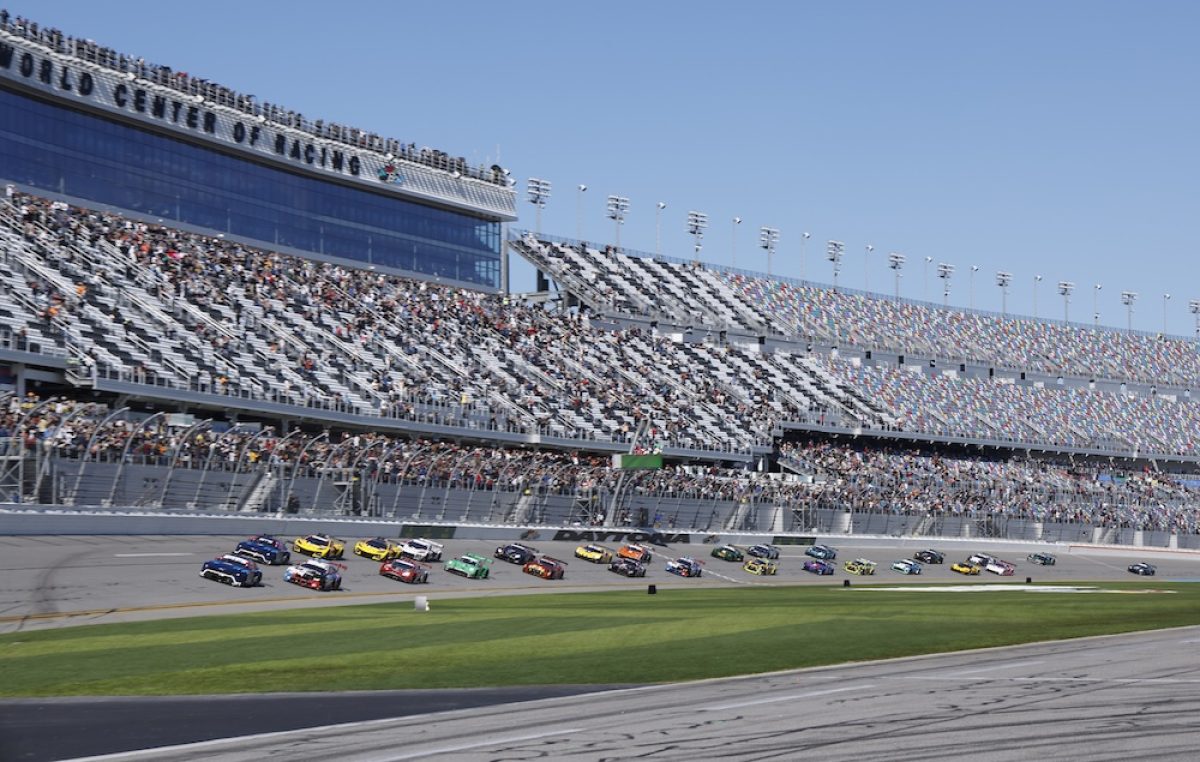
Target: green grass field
{"x":611,"y":637}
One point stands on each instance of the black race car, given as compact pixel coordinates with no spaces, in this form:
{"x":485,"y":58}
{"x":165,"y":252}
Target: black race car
{"x":1142,"y":569}
{"x":628,"y":567}
{"x":929,"y":557}
{"x":516,"y":553}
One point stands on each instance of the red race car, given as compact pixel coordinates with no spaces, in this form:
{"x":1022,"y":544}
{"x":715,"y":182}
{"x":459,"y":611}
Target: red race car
{"x":546,"y":568}
{"x":405,"y":570}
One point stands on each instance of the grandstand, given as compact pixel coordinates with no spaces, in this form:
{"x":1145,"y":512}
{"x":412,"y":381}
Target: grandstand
{"x":196,"y":346}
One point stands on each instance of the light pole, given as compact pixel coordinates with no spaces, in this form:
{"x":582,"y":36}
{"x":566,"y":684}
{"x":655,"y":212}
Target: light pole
{"x":1166,"y":298}
{"x":974,"y":269}
{"x":618,"y":207}
{"x":925,"y":288}
{"x":658,"y":227}
{"x":539,"y":194}
{"x":803,"y":242}
{"x":579,"y":191}
{"x":1194,"y":307}
{"x":833,"y":252}
{"x":867,"y":267}
{"x":1065,"y":287}
{"x":1003,"y":280}
{"x":1128,"y":298}
{"x":1036,"y":280}
{"x":1096,"y":305}
{"x":696,"y":223}
{"x":733,"y":228}
{"x":768,"y":238}
{"x":945,"y":272}
{"x":896,"y":262}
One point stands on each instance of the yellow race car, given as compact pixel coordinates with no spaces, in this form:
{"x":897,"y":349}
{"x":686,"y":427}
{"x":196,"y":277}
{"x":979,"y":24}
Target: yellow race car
{"x":377,"y":549}
{"x":319,"y":546}
{"x":597,"y":554}
{"x":860,"y":566}
{"x":761,"y":567}
{"x":966,"y":567}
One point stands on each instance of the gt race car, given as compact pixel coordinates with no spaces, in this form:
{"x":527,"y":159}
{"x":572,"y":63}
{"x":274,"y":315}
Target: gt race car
{"x":637,"y":552}
{"x":728,"y":553}
{"x":546,"y":567}
{"x":821,"y":552}
{"x":761,"y":567}
{"x":404,"y":570}
{"x":232,"y":570}
{"x":377,"y":549}
{"x":929,"y":556}
{"x":1003,"y":568}
{"x":597,"y":554}
{"x":906,"y":566}
{"x":685,"y":567}
{"x":1041,"y":559}
{"x":860,"y":566}
{"x":319,"y":546}
{"x":979,"y":559}
{"x":516,"y":553}
{"x":627,"y":567}
{"x":470,"y":566}
{"x":966,"y":567}
{"x":817,"y":566}
{"x":315,"y":574}
{"x":263,"y":548}
{"x":1143,"y":569}
{"x":763,"y":551}
{"x":422,"y":550}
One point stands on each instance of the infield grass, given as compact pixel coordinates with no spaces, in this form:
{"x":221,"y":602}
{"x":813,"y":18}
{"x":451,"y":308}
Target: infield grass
{"x":611,"y":637}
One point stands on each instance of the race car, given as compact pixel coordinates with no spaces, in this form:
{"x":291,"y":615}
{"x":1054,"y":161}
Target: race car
{"x":728,"y":553}
{"x":1003,"y":568}
{"x":1041,"y":559}
{"x":966,"y":567}
{"x":516,"y":553}
{"x":470,"y":566}
{"x":860,"y":566}
{"x":319,"y":546}
{"x":907,"y":566}
{"x":1142,"y":569}
{"x":979,"y":559}
{"x":929,"y":556}
{"x":627,"y":567}
{"x":763,"y":551}
{"x":822,"y":552}
{"x":232,"y":570}
{"x":817,"y":566}
{"x":597,"y":554}
{"x":546,"y":568}
{"x":377,"y":549}
{"x":685,"y":567}
{"x":319,"y":575}
{"x":404,"y":570}
{"x":263,"y":548}
{"x":639,"y":553}
{"x":761,"y":566}
{"x":422,"y":550}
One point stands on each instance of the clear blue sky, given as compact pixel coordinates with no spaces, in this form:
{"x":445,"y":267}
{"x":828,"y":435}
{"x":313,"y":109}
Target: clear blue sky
{"x":1051,"y":138}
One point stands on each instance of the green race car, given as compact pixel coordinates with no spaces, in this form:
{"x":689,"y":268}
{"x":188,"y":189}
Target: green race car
{"x":728,"y":553}
{"x":470,"y":566}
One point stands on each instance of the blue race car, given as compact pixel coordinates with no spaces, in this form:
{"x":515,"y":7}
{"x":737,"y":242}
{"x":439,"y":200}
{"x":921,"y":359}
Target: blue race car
{"x":232,"y":570}
{"x":265,"y":549}
{"x":763,"y":550}
{"x":685,"y":567}
{"x":818,"y":567}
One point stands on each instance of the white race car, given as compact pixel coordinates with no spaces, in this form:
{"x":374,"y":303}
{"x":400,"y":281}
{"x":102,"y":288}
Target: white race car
{"x":1003,"y":568}
{"x":422,"y":550}
{"x":907,"y":566}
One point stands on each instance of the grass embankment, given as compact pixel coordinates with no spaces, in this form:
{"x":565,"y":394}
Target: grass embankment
{"x":612,"y":637}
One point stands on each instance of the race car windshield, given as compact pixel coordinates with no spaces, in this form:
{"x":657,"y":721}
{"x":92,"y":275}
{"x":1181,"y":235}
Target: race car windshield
{"x":318,"y":540}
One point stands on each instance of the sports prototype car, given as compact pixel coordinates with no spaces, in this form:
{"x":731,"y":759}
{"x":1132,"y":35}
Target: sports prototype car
{"x":762,"y":567}
{"x":232,"y":570}
{"x":319,"y":546}
{"x":516,"y":553}
{"x":377,"y":549}
{"x":816,"y":566}
{"x":319,"y":575}
{"x":860,"y":566}
{"x":546,"y":568}
{"x":966,"y":567}
{"x":907,"y":566}
{"x":263,"y":548}
{"x":639,"y":553}
{"x":979,"y":559}
{"x":728,"y":553}
{"x":822,"y":552}
{"x":763,"y":551}
{"x":1003,"y":568}
{"x":929,"y":556}
{"x":627,"y":567}
{"x":470,"y":566}
{"x":685,"y":567}
{"x":422,"y":550}
{"x":404,"y":570}
{"x":1042,"y":559}
{"x":1142,"y":569}
{"x":597,"y":554}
